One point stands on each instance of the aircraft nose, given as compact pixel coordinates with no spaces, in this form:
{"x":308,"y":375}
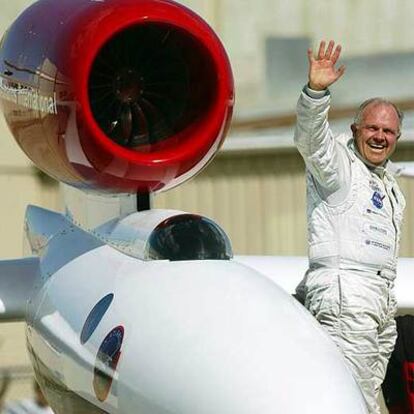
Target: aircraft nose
{"x":217,"y":337}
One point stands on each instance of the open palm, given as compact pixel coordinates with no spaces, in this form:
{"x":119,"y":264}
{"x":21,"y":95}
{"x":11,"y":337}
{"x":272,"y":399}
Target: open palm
{"x":322,"y":70}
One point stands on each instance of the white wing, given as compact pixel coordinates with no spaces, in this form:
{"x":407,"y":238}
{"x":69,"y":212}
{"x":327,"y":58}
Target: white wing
{"x":287,"y":272}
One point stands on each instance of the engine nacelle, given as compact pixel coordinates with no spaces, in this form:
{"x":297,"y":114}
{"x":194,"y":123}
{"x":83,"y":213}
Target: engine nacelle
{"x":118,"y":95}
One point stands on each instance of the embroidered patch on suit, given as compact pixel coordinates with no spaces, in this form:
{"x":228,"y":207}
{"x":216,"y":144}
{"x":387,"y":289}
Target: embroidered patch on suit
{"x":374,"y":186}
{"x":378,"y":244}
{"x":377,"y":199}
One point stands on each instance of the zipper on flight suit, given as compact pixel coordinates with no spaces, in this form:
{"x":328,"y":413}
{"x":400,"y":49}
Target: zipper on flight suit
{"x":393,"y":200}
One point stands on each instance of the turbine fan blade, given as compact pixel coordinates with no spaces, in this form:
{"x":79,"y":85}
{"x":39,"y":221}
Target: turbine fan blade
{"x":159,"y":125}
{"x":125,"y":124}
{"x":140,"y":132}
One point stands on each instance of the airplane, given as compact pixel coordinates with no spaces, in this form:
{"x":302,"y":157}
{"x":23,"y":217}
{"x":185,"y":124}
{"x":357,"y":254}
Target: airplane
{"x":131,"y":309}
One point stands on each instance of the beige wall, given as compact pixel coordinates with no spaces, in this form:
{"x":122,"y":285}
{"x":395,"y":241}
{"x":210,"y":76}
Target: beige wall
{"x":362,"y":26}
{"x":14,"y":360}
{"x":257,"y":199}
{"x":19,"y":187}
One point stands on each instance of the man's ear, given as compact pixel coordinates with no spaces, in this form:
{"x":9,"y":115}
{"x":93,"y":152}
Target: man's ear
{"x":353,"y":129}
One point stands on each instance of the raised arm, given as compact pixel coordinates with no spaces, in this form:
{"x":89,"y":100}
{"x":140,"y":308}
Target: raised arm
{"x":324,"y":158}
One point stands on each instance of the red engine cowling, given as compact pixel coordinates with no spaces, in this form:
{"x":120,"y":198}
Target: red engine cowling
{"x":115,"y":95}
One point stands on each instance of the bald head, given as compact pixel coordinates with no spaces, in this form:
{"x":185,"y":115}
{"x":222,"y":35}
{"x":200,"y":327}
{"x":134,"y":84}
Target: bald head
{"x":376,"y":129}
{"x":374,"y":102}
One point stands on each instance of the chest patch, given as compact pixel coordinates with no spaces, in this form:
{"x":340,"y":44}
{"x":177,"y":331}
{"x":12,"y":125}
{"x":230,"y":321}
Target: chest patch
{"x":377,"y":199}
{"x":374,"y":186}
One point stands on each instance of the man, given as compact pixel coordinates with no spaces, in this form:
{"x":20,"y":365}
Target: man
{"x":354,"y":211}
{"x":36,"y":405}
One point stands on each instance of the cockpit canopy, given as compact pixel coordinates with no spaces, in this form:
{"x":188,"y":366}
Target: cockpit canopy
{"x":188,"y":237}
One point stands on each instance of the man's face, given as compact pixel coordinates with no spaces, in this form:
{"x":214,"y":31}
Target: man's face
{"x":376,"y":136}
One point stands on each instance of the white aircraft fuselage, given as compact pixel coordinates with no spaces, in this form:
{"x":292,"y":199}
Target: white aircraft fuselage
{"x":109,"y":332}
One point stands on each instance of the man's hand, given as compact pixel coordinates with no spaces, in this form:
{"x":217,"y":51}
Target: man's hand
{"x":322,"y":71}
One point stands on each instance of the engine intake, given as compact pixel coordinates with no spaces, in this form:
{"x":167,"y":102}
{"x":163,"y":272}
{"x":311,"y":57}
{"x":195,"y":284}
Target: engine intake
{"x":142,"y":98}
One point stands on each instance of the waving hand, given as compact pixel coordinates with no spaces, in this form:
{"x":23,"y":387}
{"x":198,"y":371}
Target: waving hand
{"x":322,"y":70}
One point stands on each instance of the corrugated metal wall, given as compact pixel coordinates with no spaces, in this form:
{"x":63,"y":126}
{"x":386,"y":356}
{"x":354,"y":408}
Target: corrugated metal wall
{"x":407,"y":186}
{"x":260,"y":201}
{"x":257,"y":199}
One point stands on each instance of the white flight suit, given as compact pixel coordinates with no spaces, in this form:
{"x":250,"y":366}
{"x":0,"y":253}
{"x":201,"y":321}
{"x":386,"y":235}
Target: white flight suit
{"x":354,"y":218}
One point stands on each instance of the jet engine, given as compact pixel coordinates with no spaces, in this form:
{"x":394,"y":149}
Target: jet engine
{"x":119,"y":96}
